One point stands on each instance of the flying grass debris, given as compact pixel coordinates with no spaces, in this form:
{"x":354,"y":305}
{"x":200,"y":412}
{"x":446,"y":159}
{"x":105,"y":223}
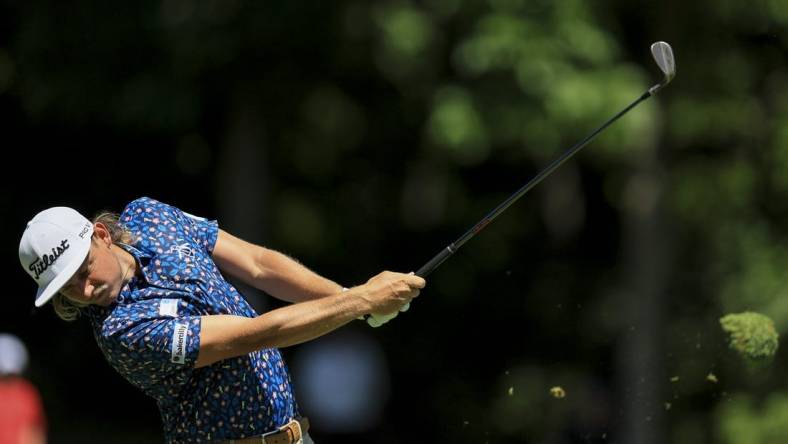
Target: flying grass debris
{"x":711,"y":377}
{"x":752,"y":335}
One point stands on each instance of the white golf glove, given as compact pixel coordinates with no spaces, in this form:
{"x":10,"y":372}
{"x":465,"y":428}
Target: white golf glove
{"x":376,"y":321}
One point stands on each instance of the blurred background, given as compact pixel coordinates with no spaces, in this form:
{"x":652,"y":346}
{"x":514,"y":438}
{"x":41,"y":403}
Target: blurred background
{"x":361,"y":136}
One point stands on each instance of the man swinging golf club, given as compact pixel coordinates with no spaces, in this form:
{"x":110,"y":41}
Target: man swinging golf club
{"x":166,"y":319}
{"x":150,"y":281}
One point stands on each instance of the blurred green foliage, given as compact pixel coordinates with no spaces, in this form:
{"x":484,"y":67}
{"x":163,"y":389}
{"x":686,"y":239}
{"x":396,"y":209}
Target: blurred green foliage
{"x":743,"y":420}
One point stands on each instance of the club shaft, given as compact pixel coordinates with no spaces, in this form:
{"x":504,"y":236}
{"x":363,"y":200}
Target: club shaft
{"x":452,"y":248}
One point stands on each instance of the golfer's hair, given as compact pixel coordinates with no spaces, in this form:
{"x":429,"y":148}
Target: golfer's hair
{"x":69,"y":309}
{"x":117,"y":232}
{"x":65,"y":308}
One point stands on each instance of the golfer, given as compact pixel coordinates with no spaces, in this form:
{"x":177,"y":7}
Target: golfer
{"x":151,"y":282}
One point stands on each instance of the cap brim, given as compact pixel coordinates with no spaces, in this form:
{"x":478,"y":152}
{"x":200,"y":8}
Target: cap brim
{"x":44,"y":294}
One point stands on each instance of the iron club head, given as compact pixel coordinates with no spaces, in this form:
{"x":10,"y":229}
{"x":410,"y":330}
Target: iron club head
{"x":663,"y":55}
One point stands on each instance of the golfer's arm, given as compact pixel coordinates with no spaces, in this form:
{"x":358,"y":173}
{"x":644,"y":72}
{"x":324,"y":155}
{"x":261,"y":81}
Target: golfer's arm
{"x":270,"y":271}
{"x":226,"y":336}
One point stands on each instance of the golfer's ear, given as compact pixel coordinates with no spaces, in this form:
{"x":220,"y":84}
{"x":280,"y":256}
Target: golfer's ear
{"x":101,"y":233}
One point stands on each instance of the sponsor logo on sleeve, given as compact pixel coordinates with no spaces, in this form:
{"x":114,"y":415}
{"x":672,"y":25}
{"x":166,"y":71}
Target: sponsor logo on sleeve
{"x":178,"y":351}
{"x":168,"y":307}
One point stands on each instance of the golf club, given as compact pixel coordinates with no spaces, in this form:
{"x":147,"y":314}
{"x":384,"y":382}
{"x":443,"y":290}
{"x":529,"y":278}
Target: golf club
{"x":663,"y":55}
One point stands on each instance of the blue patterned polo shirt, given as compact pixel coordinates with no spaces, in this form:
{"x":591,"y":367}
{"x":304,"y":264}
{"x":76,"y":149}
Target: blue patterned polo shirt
{"x":151,"y":334}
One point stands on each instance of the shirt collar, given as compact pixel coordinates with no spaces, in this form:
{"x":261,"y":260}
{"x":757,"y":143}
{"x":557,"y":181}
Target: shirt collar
{"x":136,"y":252}
{"x":98,"y":312}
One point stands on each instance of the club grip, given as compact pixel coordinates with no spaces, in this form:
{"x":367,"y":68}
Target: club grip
{"x":430,"y":266}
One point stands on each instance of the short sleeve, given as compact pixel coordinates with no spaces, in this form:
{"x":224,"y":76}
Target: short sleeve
{"x":205,"y":231}
{"x":155,"y":353}
{"x":155,"y":219}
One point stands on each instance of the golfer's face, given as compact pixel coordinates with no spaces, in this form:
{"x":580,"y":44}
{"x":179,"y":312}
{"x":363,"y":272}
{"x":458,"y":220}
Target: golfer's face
{"x":98,"y":280}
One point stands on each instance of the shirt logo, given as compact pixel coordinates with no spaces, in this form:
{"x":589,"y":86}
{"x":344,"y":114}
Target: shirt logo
{"x":40,"y":265}
{"x":178,"y":351}
{"x":182,"y":250}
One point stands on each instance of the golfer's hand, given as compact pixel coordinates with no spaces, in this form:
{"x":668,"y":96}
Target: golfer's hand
{"x":389,"y":292}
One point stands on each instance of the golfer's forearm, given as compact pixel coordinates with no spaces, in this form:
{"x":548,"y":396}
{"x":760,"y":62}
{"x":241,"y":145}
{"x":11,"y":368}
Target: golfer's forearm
{"x":225,"y":336}
{"x":269,"y":270}
{"x":286,"y":279}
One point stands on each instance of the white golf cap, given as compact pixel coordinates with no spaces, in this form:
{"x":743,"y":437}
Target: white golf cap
{"x":53,"y":246}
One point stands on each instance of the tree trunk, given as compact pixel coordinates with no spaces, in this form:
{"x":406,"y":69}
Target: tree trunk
{"x":645,"y":254}
{"x":242,"y":188}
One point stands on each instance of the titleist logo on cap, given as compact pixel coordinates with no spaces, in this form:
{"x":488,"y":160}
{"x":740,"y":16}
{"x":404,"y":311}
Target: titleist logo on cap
{"x":40,"y":265}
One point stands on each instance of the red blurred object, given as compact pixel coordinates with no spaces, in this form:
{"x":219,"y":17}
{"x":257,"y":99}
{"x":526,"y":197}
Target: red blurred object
{"x":22,"y":419}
